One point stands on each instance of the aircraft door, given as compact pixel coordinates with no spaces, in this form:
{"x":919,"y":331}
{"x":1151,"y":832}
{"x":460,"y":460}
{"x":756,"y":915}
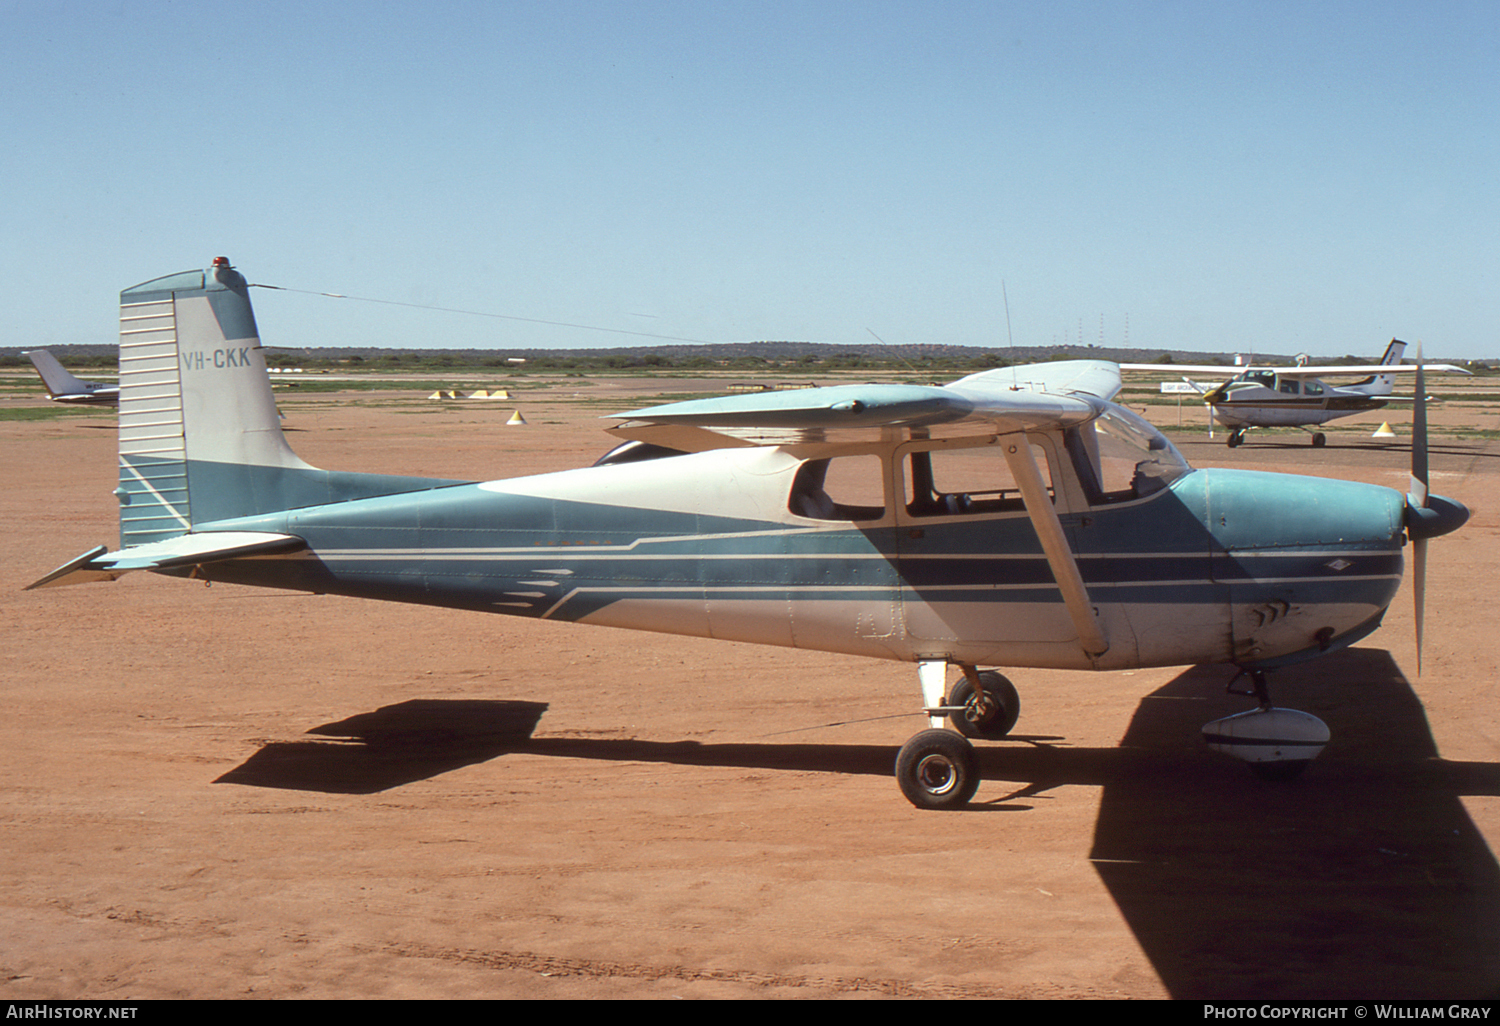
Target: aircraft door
{"x":816,"y":572}
{"x":975,"y":583}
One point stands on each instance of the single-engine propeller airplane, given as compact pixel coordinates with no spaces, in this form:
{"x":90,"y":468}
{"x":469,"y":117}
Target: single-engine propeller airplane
{"x":63,"y":387}
{"x":1299,"y":396}
{"x":1015,"y":517}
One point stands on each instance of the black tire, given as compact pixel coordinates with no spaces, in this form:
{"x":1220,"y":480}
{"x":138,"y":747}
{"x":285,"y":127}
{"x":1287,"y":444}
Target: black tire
{"x":1005,"y":707}
{"x":1319,"y":440}
{"x":1279,"y":772}
{"x":937,"y":770}
{"x":1235,"y":438}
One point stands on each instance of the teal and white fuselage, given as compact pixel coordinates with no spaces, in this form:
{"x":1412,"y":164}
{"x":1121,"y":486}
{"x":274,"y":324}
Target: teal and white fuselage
{"x":1208,"y":569}
{"x":1100,"y":548}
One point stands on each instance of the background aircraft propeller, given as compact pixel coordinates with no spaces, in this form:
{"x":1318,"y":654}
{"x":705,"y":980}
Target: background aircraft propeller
{"x":1216,"y":394}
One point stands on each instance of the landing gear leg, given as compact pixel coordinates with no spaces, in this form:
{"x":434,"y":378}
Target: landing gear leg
{"x":936,"y":769}
{"x":1260,"y":690}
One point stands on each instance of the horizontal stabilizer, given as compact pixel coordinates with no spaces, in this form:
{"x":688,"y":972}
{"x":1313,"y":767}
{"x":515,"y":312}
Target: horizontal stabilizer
{"x":186,"y":550}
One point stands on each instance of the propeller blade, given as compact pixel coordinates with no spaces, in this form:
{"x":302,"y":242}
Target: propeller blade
{"x":1427,"y":515}
{"x":1419,"y":472}
{"x":1420,"y":478}
{"x":1419,"y":589}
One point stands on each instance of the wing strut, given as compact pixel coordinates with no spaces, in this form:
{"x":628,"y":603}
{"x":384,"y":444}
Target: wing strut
{"x":1055,"y":544}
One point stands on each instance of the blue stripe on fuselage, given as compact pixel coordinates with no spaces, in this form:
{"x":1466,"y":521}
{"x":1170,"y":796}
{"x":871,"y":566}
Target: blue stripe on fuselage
{"x":481,"y":548}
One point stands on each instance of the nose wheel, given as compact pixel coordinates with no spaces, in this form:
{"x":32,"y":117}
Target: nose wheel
{"x":1277,"y":744}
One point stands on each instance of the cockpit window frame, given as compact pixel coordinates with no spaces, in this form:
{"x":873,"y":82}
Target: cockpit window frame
{"x":1126,"y":430}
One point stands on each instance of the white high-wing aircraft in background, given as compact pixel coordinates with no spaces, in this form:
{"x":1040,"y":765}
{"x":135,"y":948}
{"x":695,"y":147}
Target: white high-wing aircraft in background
{"x":1013,"y":518}
{"x":65,"y":388}
{"x":1298,"y":396}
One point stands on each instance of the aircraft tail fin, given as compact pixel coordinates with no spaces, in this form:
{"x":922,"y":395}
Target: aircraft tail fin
{"x":198,"y":424}
{"x":1382,"y":384}
{"x":200,"y":437}
{"x":55,"y":376}
{"x":201,"y":448}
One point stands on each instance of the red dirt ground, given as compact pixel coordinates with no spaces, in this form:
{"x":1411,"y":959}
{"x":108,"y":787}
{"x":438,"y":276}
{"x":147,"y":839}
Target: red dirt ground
{"x":225,"y":792}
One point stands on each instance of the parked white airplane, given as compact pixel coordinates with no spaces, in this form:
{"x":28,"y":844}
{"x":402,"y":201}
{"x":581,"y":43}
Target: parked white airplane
{"x":65,"y":388}
{"x":1016,"y":517}
{"x":1298,"y":396}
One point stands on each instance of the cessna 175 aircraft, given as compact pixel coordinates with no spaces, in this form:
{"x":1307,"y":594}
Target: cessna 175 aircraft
{"x":65,"y":388}
{"x":1015,"y":517}
{"x":1298,"y":396}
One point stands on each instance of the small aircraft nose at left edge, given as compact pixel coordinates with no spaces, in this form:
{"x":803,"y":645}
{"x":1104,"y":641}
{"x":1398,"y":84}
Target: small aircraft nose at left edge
{"x":1013,"y":518}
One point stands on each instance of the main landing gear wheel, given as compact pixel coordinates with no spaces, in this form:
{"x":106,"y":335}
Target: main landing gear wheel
{"x":1319,"y":439}
{"x":991,"y":718}
{"x":937,"y":769}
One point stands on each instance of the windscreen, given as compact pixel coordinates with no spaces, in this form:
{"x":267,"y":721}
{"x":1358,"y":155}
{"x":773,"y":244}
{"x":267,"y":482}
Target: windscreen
{"x":1120,"y":455}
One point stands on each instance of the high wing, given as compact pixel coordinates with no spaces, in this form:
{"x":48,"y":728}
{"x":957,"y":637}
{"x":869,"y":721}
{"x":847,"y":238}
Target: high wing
{"x":1000,"y":401}
{"x":1003,"y":400}
{"x":1307,"y":371}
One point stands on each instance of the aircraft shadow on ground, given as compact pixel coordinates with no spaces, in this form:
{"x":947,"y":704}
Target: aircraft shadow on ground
{"x":416,"y":740}
{"x":392,"y":746}
{"x":1366,"y":878}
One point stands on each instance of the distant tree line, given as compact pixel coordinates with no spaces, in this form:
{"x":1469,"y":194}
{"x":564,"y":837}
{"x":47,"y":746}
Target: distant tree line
{"x":473,"y":360}
{"x":954,"y":359}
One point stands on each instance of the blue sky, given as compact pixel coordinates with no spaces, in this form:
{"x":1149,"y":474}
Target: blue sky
{"x":1267,"y":175}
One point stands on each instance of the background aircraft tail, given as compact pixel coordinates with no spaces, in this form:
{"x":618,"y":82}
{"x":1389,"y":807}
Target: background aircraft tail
{"x":200,"y":439}
{"x":55,"y":376}
{"x":1382,"y":384}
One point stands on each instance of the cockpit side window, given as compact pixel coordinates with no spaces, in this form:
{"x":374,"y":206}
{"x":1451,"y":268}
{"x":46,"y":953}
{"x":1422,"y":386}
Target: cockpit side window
{"x":956,"y":482}
{"x":1083,"y":449}
{"x":840,"y":488}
